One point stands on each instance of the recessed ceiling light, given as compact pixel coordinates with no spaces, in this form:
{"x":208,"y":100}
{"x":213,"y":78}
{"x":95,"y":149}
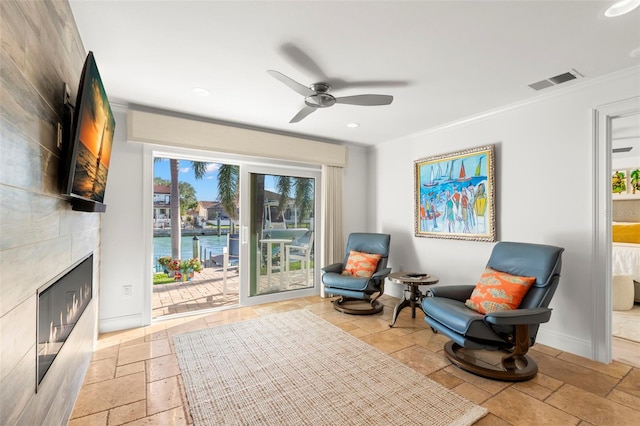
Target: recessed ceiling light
{"x":200,"y":91}
{"x":352,"y":125}
{"x":621,"y":7}
{"x":635,"y":53}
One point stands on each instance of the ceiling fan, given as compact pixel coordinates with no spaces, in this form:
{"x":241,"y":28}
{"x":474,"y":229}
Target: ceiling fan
{"x":317,"y":96}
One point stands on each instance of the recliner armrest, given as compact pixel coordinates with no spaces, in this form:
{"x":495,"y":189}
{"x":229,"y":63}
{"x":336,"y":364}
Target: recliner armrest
{"x":519,"y":316}
{"x":381,"y":273}
{"x":334,"y":267}
{"x":456,"y":292}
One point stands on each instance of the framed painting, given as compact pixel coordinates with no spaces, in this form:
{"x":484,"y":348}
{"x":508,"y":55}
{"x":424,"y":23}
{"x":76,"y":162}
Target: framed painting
{"x":454,"y":195}
{"x":634,"y":181}
{"x":619,"y":182}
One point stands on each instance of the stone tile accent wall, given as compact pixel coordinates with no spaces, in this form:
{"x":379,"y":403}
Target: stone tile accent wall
{"x":40,"y":236}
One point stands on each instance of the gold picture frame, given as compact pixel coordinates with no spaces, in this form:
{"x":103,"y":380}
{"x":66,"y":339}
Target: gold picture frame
{"x":454,"y":195}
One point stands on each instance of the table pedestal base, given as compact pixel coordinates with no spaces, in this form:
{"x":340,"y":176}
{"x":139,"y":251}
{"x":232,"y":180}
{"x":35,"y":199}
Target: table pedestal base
{"x":414,"y":302}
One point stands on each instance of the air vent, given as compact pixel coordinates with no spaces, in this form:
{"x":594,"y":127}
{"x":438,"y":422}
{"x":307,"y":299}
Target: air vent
{"x":554,"y":81}
{"x":625,"y":149}
{"x":542,"y":84}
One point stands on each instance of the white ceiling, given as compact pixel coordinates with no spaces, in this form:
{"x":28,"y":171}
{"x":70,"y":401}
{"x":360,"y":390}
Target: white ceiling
{"x":441,"y":60}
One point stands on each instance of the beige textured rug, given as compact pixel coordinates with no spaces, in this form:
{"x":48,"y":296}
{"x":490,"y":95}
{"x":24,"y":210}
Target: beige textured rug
{"x":626,"y":324}
{"x":296,"y":369}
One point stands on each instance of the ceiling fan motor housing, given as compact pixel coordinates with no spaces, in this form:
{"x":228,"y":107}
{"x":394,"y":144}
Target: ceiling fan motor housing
{"x":321,"y":99}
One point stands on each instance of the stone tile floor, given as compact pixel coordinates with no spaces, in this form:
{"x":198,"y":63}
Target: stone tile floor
{"x":134,"y":377}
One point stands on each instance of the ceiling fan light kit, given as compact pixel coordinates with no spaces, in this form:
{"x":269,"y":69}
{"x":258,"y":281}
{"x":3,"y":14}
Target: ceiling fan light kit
{"x":317,"y":96}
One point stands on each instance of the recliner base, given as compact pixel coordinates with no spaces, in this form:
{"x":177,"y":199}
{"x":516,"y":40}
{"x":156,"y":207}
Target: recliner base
{"x":513,"y":368}
{"x":353,"y":306}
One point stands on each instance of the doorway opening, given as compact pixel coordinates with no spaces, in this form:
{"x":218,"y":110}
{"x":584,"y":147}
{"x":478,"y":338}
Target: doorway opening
{"x":195,"y":245}
{"x":604,"y":346}
{"x":625,"y":195}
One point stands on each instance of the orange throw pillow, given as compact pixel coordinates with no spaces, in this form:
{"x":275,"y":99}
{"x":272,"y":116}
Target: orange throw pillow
{"x":498,"y":291}
{"x":361,"y":265}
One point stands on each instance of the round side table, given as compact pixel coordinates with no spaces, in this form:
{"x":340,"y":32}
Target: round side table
{"x":413,"y":288}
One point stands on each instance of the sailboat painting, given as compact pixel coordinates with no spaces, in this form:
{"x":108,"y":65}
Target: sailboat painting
{"x":454,"y":195}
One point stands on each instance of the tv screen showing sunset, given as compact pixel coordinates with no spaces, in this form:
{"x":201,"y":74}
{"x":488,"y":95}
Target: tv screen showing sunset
{"x":95,"y":126}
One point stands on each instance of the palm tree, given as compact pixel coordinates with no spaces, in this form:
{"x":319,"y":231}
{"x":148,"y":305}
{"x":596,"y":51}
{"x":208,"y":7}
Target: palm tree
{"x":199,"y":170}
{"x":228,"y":176}
{"x":283,"y":187}
{"x":228,"y":189}
{"x":303,"y":195}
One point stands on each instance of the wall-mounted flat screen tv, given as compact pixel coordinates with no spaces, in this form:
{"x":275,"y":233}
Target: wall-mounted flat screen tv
{"x":91,"y":138}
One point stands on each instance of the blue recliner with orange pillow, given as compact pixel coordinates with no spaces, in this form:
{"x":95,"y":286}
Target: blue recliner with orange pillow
{"x":360,"y":275}
{"x":502,"y":312}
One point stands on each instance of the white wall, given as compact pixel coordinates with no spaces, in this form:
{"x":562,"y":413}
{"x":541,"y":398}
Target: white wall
{"x":544,"y":166}
{"x":357,"y":187}
{"x":123,"y":242}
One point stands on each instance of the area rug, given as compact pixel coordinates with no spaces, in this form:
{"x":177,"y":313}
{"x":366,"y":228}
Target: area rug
{"x":295,"y":368}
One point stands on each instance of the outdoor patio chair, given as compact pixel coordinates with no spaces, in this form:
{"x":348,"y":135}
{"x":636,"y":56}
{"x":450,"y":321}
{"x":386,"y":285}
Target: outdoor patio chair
{"x":300,"y":251}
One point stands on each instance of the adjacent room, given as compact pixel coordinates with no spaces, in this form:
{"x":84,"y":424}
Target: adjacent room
{"x":314,"y":212}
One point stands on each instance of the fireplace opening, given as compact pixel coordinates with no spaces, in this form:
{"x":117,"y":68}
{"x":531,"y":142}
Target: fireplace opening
{"x":60,"y":304}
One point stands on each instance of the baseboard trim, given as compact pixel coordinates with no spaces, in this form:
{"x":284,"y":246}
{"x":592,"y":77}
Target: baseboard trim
{"x":565,"y":343}
{"x":106,"y":325}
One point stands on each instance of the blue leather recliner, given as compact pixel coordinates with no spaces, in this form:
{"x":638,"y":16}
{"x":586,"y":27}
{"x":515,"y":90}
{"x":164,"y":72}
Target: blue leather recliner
{"x":355,"y":289}
{"x":513,"y":331}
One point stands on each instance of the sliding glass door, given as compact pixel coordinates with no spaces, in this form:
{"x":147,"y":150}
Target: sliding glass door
{"x":279,"y":233}
{"x":227,"y":231}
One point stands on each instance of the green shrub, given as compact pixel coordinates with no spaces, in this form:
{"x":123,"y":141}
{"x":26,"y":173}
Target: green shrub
{"x":162,"y":278}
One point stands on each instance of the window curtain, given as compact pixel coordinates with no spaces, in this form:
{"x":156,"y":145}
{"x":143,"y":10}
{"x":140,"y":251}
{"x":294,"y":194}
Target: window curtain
{"x":332,"y":235}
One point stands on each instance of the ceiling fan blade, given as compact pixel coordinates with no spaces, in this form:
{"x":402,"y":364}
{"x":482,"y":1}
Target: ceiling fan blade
{"x":311,"y":67}
{"x":302,"y":114}
{"x":303,"y":90}
{"x":303,"y":60}
{"x":368,"y":100}
{"x":339,"y":84}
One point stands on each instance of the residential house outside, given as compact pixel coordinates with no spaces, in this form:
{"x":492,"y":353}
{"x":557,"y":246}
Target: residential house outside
{"x":161,"y":206}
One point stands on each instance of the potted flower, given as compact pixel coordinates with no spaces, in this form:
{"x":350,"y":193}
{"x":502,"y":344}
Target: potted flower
{"x":174,"y":266}
{"x":183,"y":270}
{"x":188,"y":267}
{"x":194,"y":265}
{"x":164,"y":261}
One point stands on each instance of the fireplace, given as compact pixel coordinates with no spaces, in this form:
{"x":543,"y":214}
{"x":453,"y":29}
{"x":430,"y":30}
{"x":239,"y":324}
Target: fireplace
{"x":60,"y":305}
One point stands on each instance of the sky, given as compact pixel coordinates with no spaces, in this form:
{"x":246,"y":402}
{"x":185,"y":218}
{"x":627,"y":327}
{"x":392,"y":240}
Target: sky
{"x":206,"y":188}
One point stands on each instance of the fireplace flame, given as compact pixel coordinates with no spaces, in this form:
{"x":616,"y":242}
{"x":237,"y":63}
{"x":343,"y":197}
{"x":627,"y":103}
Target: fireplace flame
{"x":56,"y":332}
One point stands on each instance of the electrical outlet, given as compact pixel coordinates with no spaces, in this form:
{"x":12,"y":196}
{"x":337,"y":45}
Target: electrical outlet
{"x":127,"y":290}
